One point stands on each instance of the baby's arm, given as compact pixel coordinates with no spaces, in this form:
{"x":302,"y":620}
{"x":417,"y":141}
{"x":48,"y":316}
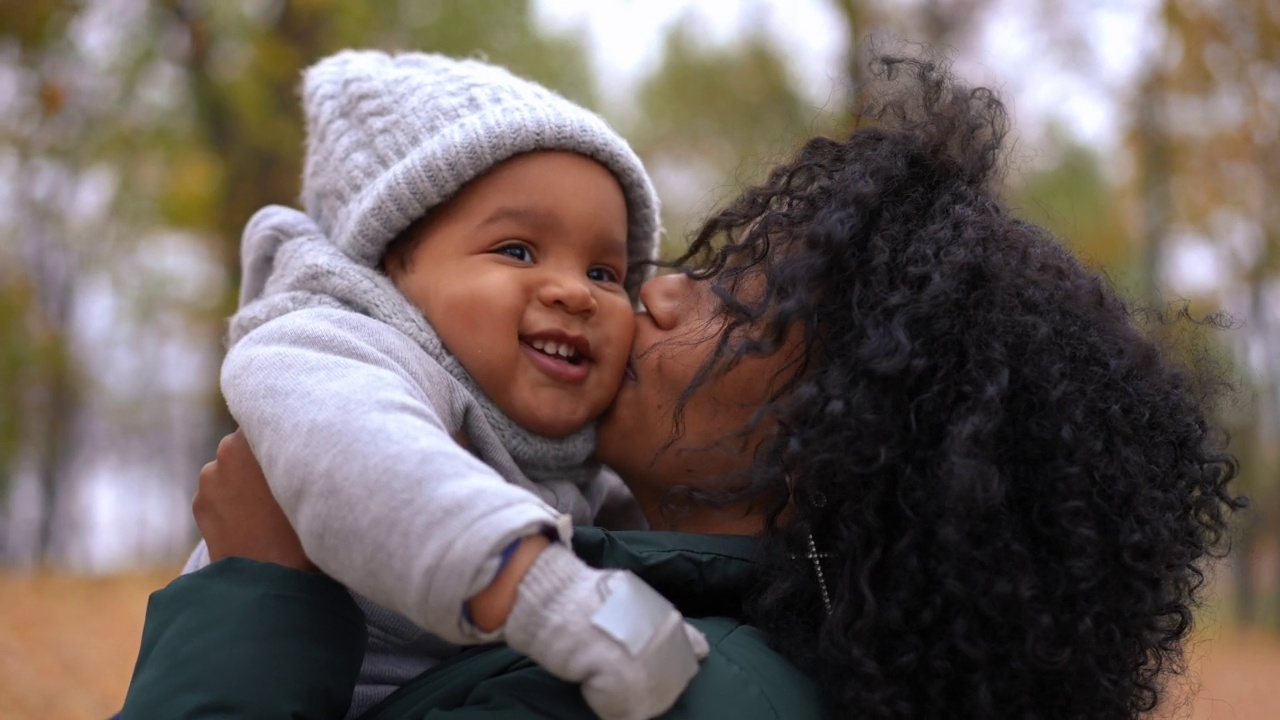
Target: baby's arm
{"x":383,"y":499}
{"x":380,"y":495}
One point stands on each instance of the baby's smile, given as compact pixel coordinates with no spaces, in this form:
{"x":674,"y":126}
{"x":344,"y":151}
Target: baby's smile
{"x":565,"y":349}
{"x":562,"y":357}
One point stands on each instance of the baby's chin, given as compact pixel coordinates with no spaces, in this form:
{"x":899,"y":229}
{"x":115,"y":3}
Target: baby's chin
{"x":556,"y":415}
{"x":553,"y":427}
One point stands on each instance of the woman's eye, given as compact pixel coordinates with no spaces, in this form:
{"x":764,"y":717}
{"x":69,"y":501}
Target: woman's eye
{"x":602,"y":274}
{"x":516,"y":252}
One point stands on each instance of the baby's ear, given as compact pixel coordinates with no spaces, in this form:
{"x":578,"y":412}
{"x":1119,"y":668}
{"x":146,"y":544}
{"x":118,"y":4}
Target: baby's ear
{"x":462,"y":439}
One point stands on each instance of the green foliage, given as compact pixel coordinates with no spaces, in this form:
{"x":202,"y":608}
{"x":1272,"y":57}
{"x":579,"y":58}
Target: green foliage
{"x":719,"y":98}
{"x":33,"y":24}
{"x":1079,"y":204}
{"x":719,"y":115}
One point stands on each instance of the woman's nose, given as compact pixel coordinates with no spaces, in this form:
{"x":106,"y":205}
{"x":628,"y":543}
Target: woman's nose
{"x":571,"y":294}
{"x":664,"y":297}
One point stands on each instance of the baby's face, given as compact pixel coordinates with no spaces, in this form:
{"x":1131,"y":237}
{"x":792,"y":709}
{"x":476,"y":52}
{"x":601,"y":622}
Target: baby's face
{"x":521,"y":275}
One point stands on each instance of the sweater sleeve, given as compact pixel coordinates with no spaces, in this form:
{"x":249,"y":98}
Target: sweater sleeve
{"x":337,"y":410}
{"x":241,"y":638}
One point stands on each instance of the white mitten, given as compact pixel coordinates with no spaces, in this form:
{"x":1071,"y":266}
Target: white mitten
{"x":628,"y":646}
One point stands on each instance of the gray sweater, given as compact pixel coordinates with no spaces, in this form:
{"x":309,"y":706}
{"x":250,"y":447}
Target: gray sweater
{"x":351,"y":405}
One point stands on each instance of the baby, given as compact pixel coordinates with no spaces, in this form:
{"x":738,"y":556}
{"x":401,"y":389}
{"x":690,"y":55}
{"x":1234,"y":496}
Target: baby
{"x":464,"y":274}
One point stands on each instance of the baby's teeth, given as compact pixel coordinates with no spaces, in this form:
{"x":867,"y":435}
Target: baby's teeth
{"x":551,"y":347}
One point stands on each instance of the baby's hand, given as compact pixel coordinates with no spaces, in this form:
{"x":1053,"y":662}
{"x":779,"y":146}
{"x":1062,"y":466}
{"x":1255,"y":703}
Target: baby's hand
{"x":628,"y":646}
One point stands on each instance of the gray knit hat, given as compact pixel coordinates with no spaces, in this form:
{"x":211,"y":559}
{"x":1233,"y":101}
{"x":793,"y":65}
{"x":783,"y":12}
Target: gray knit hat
{"x":390,"y":137}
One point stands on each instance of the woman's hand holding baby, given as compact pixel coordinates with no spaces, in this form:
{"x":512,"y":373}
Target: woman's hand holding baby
{"x":237,"y":514}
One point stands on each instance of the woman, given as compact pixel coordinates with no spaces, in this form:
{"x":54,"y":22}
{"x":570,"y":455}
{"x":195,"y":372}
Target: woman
{"x":977,"y":487}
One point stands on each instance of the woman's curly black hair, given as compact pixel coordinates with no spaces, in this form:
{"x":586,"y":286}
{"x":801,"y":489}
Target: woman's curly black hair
{"x":1015,"y":478}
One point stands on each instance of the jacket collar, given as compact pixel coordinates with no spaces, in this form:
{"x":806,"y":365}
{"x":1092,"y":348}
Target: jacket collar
{"x":701,"y":575}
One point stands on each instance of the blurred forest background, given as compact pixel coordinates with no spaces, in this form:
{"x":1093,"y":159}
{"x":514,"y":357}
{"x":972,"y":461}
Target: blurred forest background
{"x":137,"y":137}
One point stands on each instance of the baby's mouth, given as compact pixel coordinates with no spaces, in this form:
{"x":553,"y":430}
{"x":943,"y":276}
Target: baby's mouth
{"x":559,"y":350}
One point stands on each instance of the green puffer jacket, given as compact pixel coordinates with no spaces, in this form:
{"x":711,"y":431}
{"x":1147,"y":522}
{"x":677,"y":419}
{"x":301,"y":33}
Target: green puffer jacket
{"x":241,"y":639}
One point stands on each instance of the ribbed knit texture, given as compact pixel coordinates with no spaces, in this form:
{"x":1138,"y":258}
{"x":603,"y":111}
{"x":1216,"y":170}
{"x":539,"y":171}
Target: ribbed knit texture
{"x":391,"y":136}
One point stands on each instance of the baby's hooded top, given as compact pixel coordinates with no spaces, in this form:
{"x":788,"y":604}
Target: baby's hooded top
{"x":345,"y":392}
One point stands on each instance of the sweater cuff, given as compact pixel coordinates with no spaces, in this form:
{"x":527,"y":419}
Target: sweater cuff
{"x":553,"y":571}
{"x":541,"y":593}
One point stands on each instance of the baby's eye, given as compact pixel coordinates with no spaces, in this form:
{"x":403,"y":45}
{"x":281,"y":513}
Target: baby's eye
{"x":602,"y":274}
{"x":516,"y":252}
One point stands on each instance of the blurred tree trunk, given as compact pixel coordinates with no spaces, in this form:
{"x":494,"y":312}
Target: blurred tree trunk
{"x":1266,"y":454}
{"x":857,"y":22}
{"x":52,"y":386}
{"x":1154,"y":159}
{"x":1244,"y":545}
{"x":938,"y":24}
{"x":50,"y":262}
{"x":1266,"y":275}
{"x":943,"y":21}
{"x":258,"y":166}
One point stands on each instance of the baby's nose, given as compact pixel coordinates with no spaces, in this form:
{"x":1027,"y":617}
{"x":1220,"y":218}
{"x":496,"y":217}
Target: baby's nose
{"x":572,"y":294}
